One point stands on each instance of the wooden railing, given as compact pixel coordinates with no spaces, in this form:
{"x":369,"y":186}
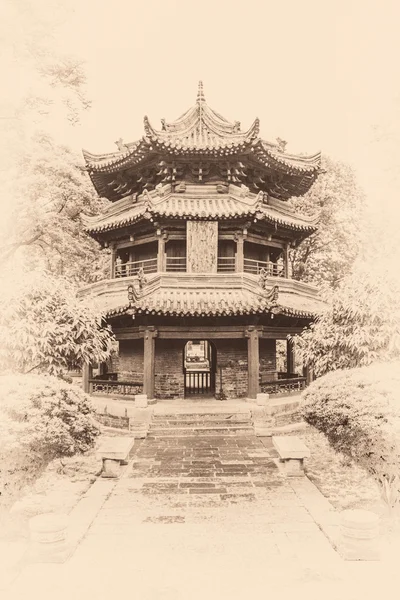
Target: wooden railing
{"x":132,"y":268}
{"x":255,"y":266}
{"x":175,"y":263}
{"x":117,"y":388}
{"x":283,"y":386}
{"x":226,"y":264}
{"x":199,"y":382}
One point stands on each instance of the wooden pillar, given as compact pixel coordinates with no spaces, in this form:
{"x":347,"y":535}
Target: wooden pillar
{"x":286,"y":260}
{"x":308,"y":374}
{"x":253,"y":362}
{"x":290,"y":358}
{"x":239,"y":253}
{"x":87,"y":373}
{"x":112,"y":264}
{"x":161,"y":259}
{"x":149,"y":346}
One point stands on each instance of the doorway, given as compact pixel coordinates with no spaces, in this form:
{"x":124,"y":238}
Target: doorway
{"x":199,"y":367}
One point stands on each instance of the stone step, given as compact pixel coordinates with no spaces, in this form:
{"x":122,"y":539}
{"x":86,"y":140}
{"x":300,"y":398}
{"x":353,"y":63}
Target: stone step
{"x":197,"y":431}
{"x":200,"y":423}
{"x":175,"y":416}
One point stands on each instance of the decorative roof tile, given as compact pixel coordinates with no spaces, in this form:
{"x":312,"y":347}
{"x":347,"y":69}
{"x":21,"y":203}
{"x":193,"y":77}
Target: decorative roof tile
{"x":198,"y":202}
{"x":204,"y":134}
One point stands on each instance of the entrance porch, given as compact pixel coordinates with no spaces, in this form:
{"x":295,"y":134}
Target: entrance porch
{"x":176,"y":362}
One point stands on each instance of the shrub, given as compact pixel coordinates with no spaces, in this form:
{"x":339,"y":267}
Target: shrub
{"x":358,"y":410}
{"x":50,"y":417}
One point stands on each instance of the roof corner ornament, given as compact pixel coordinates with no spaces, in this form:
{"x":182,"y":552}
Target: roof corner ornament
{"x":121,"y":145}
{"x":262,"y":278}
{"x":135,"y":292}
{"x":142,"y":279}
{"x":236,"y":127}
{"x":200,"y":93}
{"x":133,"y":295}
{"x":163,"y":125}
{"x":281,"y":144}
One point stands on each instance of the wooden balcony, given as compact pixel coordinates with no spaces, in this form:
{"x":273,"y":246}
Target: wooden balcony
{"x":132,"y":268}
{"x":175,"y":264}
{"x":254,"y":267}
{"x":226,"y":264}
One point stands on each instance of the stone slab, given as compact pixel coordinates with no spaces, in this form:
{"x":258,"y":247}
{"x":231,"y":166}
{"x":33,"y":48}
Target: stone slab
{"x":290,"y":447}
{"x":115,"y":448}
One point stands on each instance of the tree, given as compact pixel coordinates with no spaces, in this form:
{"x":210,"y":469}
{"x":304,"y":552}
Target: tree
{"x":327,"y":255}
{"x":50,"y":192}
{"x":360,"y":325}
{"x":44,"y":327}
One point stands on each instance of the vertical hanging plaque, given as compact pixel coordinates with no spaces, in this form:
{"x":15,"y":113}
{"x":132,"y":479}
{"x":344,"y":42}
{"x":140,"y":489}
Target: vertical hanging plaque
{"x":202,"y":246}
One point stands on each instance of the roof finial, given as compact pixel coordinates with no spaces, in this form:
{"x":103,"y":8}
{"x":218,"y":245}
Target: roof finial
{"x":200,"y":93}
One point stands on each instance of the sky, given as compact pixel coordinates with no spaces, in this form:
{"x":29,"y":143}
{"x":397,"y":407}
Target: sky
{"x":322,"y":75}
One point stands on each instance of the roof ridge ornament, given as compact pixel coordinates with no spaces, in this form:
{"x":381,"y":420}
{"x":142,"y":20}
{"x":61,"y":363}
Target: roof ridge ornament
{"x":200,"y":93}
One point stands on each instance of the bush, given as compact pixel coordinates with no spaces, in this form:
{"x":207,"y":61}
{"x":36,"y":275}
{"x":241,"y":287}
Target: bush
{"x":46,"y":415}
{"x":41,"y":418}
{"x":358,"y":410}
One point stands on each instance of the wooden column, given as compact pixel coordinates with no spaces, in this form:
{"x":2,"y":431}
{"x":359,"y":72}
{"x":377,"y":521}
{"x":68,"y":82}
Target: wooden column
{"x":239,"y":253}
{"x":308,"y":374}
{"x":253,"y":362}
{"x":161,"y":258}
{"x":286,"y":260}
{"x":149,"y":346}
{"x":290,"y":358}
{"x":112,"y":264}
{"x":87,"y":373}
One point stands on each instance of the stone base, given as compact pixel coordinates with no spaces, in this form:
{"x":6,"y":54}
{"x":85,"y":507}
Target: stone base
{"x":359,"y":535}
{"x":292,"y":467}
{"x":142,"y":401}
{"x":48,"y":538}
{"x":262,"y":399}
{"x":111,"y":468}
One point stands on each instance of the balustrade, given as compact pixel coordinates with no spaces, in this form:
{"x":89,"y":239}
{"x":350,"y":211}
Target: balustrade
{"x":254,"y":267}
{"x":131,"y":268}
{"x":176,"y":263}
{"x":283,"y":386}
{"x":226,"y":264}
{"x":112,"y":387}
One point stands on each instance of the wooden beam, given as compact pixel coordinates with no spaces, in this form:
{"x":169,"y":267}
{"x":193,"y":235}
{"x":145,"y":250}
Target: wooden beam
{"x":149,"y":362}
{"x":253,"y":362}
{"x":205,"y":332}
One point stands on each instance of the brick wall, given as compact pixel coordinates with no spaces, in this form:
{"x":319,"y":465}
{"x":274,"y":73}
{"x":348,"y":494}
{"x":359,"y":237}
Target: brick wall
{"x":232,"y":357}
{"x":130,"y":360}
{"x":267,"y":351}
{"x":169,"y":382}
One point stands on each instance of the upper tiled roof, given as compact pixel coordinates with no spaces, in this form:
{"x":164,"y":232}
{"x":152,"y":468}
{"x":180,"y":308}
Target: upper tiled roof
{"x":199,"y":202}
{"x":200,"y":133}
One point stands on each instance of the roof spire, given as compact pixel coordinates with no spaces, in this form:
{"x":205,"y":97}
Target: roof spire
{"x":200,"y":93}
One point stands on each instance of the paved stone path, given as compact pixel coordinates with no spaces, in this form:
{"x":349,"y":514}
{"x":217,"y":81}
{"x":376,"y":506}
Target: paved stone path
{"x":201,"y":511}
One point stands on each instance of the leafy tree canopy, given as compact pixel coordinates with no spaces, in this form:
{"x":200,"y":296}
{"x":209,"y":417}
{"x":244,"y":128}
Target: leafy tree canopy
{"x":327,"y":256}
{"x":361,"y":323}
{"x":45,"y":328}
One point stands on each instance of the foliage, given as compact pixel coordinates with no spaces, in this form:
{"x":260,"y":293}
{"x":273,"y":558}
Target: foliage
{"x":45,"y":327}
{"x":327,"y":255}
{"x":50,"y":192}
{"x":41,"y":418}
{"x":358,"y":410}
{"x":361,"y":323}
{"x":51,"y":417}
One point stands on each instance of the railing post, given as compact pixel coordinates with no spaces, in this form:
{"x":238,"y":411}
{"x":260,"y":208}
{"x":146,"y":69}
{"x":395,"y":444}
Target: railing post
{"x":290,"y":358}
{"x":286,"y":260}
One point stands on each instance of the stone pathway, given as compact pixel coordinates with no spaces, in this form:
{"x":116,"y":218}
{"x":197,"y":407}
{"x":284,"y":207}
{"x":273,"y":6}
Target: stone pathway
{"x":201,"y":511}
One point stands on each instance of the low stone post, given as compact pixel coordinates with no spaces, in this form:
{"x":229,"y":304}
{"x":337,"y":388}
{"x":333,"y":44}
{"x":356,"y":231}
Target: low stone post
{"x":111,"y":468}
{"x":48,"y":538}
{"x":262,"y":399}
{"x":359,"y":535}
{"x":141,"y":401}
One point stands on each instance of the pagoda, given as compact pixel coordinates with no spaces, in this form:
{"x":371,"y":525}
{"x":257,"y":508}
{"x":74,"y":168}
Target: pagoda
{"x":200,"y":231}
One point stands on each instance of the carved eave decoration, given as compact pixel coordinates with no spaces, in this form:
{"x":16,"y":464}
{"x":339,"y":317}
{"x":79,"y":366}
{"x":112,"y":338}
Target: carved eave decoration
{"x":201,"y":145}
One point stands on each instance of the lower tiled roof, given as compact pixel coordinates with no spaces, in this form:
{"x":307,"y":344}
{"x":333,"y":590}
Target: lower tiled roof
{"x":243,"y":297}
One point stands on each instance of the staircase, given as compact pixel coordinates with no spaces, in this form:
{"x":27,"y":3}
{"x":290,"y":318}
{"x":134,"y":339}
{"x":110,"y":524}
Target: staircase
{"x":201,"y":424}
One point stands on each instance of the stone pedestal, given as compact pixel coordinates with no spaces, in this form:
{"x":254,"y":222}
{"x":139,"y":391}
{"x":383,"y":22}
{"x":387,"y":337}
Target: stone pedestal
{"x":141,"y":401}
{"x":293,"y":467}
{"x":359,"y":535}
{"x":48,"y":538}
{"x":262,"y":399}
{"x":111,"y":468}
